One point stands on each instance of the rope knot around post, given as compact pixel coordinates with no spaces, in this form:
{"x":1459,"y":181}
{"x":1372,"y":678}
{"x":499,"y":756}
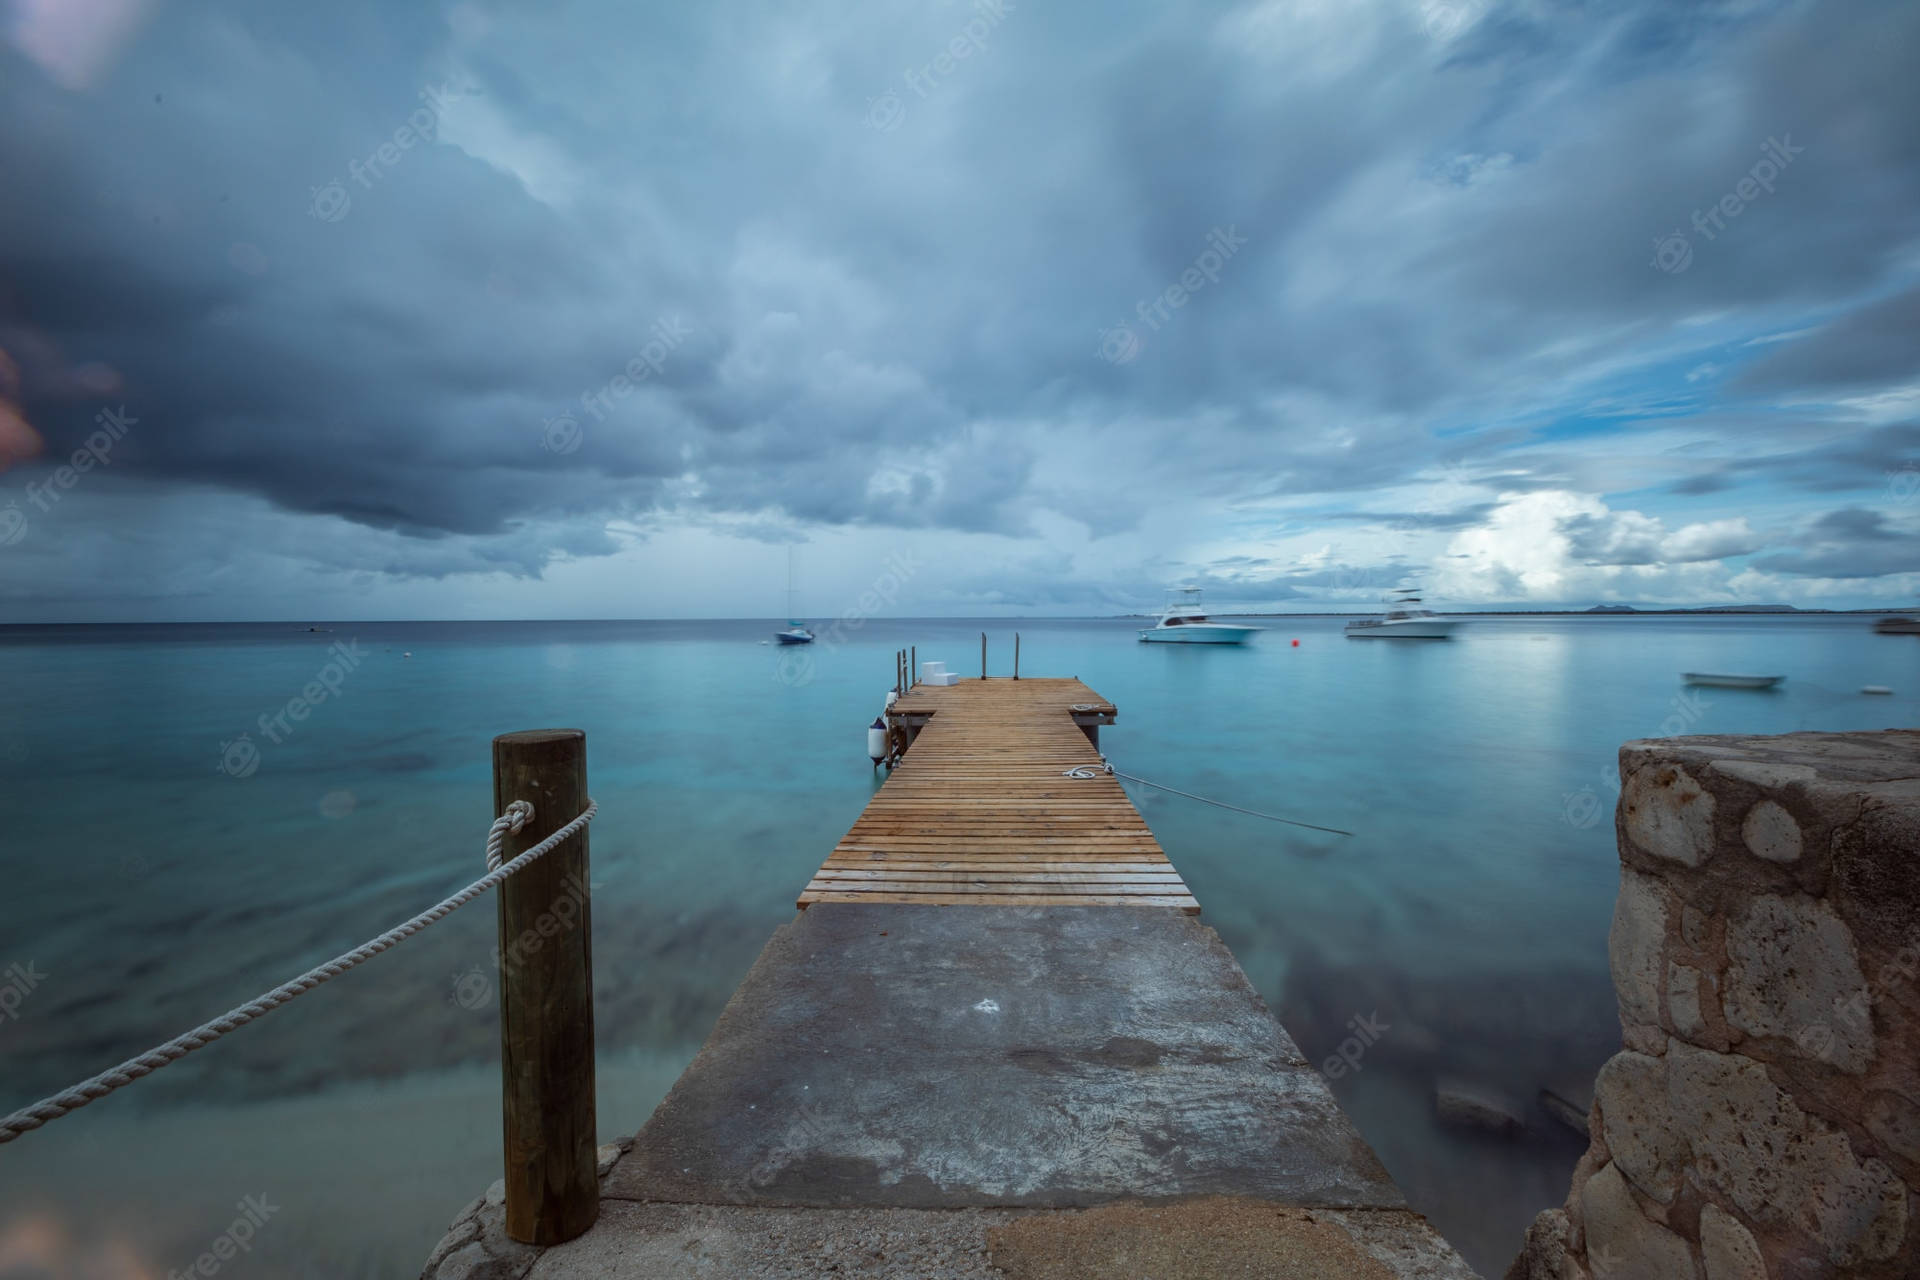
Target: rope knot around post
{"x":516,"y":816}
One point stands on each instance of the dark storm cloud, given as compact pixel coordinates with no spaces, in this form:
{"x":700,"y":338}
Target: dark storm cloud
{"x":1874,"y":346}
{"x":1844,"y":459}
{"x":882,"y":325}
{"x":1850,"y":543}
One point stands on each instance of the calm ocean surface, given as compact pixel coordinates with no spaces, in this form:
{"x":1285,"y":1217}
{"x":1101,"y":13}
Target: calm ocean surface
{"x":153,"y":888}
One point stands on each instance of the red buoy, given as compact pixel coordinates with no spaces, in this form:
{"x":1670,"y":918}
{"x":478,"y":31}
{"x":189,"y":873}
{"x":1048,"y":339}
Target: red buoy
{"x":1296,"y":644}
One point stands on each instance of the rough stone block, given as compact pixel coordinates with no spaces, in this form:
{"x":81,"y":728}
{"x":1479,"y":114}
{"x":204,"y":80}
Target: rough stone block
{"x":1771,"y":833}
{"x":1768,"y":777}
{"x":1636,"y":945}
{"x":1792,"y":969}
{"x":1668,"y":814}
{"x":1727,"y":1248}
{"x":1621,"y":1243}
{"x":1644,"y":1037}
{"x":478,"y":1247}
{"x":1876,"y":863}
{"x":1683,"y":1002}
{"x":1780,"y":1166}
{"x":1894,"y":1121}
{"x":1631,"y":1092}
{"x":1549,"y":1253}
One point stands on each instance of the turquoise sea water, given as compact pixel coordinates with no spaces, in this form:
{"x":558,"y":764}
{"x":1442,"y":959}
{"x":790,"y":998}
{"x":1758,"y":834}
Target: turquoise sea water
{"x":147,"y":887}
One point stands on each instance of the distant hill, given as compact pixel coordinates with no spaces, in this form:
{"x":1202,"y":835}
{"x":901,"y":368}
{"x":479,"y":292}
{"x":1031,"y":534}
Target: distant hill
{"x":1613,"y":608}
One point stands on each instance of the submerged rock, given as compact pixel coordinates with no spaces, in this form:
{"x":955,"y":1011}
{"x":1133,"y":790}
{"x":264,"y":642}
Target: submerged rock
{"x":1466,"y":1105}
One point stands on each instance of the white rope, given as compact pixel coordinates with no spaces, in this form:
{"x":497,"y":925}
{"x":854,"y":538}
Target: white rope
{"x":1106,"y":767}
{"x":517,"y":816}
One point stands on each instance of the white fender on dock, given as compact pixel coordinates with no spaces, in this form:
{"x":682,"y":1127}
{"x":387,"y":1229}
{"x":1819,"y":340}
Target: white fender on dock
{"x":893,"y":696}
{"x":877,"y":739}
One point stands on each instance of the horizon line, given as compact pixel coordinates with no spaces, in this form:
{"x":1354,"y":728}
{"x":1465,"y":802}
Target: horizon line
{"x":1489,"y":611}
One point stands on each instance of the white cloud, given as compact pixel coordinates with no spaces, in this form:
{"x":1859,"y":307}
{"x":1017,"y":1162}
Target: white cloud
{"x":1558,"y":546}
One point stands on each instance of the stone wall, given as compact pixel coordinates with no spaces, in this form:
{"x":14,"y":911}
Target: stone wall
{"x":1763,"y":1117}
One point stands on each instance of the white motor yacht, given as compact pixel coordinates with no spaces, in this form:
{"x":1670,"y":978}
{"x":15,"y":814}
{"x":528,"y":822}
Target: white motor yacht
{"x":1403,"y":619}
{"x":1185,"y":622}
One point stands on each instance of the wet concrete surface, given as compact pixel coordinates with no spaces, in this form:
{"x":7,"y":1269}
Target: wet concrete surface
{"x":1189,"y":1240}
{"x":949,"y":1057}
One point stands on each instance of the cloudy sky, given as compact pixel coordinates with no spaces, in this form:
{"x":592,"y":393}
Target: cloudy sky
{"x":591,"y":309}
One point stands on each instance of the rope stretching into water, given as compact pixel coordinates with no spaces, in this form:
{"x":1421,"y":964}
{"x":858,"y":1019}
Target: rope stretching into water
{"x":1106,"y":766}
{"x":518,"y":814}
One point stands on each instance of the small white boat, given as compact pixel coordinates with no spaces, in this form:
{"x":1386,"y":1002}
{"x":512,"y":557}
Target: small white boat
{"x":1721,"y":680}
{"x":1185,"y":622}
{"x":1402,"y":619}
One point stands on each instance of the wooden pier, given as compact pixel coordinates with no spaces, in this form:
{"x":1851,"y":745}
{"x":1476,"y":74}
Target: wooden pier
{"x":981,"y":812}
{"x":1068,"y":1077}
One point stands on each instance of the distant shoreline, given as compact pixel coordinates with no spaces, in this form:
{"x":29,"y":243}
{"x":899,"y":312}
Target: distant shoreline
{"x":1707,"y":612}
{"x":326,"y":625}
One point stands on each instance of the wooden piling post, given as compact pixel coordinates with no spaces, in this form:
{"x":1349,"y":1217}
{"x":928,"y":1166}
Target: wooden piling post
{"x":546,"y":993}
{"x":913,"y":664}
{"x":1016,"y":655}
{"x":983,"y":655}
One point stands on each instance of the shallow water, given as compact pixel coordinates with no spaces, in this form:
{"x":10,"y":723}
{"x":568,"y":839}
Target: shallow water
{"x":154,"y":888}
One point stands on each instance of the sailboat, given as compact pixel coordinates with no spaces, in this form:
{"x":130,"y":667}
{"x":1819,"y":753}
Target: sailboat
{"x":796,"y":632}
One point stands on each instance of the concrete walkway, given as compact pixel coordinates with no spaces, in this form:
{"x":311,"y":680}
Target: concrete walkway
{"x":921,"y":1091}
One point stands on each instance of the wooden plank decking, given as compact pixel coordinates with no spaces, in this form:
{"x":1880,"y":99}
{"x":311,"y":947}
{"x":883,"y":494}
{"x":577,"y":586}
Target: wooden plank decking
{"x":978,"y":811}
